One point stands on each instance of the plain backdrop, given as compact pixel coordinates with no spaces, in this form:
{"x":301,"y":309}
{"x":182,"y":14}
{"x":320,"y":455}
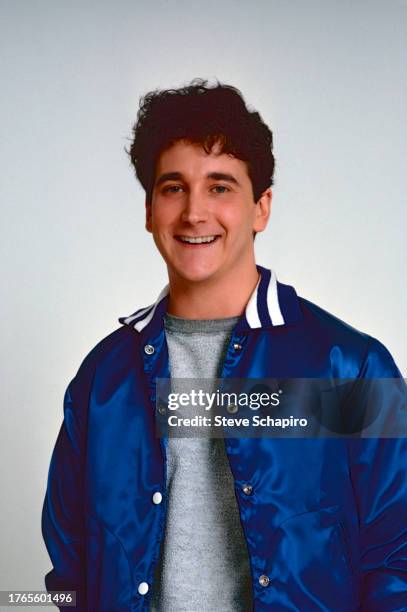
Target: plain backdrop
{"x":329,"y":79}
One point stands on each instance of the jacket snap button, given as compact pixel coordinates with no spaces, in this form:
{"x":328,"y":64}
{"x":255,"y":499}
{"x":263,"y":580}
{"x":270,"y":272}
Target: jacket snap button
{"x":264,"y":580}
{"x":237,"y":346}
{"x":143,"y":588}
{"x":247,"y":489}
{"x":149,"y":349}
{"x":232,"y":408}
{"x":157,"y":498}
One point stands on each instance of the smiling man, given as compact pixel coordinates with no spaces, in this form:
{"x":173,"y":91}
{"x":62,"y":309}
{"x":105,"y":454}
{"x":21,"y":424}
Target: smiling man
{"x":202,"y":218}
{"x":134,"y":521}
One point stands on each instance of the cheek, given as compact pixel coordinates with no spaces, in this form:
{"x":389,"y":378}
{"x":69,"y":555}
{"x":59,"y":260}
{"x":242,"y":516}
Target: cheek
{"x":238,"y":220}
{"x":163,"y":217}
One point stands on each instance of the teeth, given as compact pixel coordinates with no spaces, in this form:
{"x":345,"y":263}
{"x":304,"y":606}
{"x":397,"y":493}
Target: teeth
{"x":197,"y":240}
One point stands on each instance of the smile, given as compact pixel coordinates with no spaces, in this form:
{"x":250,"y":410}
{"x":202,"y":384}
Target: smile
{"x":197,"y":239}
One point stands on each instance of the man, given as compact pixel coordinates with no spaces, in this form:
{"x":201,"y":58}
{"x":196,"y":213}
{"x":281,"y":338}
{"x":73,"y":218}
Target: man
{"x":136,"y":522}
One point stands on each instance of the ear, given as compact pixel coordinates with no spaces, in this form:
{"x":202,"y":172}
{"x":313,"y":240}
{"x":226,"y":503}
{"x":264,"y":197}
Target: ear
{"x":149,"y":220}
{"x":262,"y":211}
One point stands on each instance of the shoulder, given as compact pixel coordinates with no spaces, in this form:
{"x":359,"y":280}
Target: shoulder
{"x":113,"y":350}
{"x":327,"y":330}
{"x":120,"y":349}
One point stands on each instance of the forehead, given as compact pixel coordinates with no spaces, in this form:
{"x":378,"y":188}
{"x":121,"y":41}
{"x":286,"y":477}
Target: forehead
{"x":191,"y":158}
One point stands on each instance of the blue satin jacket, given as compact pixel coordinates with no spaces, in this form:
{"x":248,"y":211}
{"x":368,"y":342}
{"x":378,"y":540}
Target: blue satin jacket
{"x":326,"y":522}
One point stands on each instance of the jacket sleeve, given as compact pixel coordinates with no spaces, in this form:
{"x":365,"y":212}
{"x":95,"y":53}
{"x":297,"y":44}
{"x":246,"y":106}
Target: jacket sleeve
{"x":63,"y":515}
{"x":379,"y":475}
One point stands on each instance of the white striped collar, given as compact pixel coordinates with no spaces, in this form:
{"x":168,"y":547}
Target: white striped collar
{"x":271,"y":304}
{"x":264,"y":302}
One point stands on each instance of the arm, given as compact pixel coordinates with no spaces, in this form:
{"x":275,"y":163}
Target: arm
{"x":62,"y":515}
{"x":379,"y":475}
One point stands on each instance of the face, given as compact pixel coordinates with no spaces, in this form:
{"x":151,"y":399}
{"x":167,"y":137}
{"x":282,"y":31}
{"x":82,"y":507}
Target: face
{"x":202,"y":214}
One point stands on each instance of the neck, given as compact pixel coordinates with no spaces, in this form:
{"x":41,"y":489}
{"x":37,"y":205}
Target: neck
{"x":213,"y":299}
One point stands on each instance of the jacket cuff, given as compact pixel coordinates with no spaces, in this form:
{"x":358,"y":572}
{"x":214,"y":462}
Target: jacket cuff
{"x":54,"y":583}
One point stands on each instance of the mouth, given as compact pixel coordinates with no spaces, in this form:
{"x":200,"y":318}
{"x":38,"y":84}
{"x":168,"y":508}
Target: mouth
{"x":197,"y":241}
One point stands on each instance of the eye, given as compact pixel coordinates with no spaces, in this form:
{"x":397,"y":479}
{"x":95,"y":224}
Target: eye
{"x":172,"y":189}
{"x":222,"y":188}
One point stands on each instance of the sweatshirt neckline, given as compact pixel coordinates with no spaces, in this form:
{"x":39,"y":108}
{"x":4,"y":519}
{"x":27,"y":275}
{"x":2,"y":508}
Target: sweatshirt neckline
{"x":173,"y":323}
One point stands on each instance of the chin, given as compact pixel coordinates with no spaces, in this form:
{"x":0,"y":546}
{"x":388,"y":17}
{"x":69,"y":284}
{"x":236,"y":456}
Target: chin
{"x":195,"y":274}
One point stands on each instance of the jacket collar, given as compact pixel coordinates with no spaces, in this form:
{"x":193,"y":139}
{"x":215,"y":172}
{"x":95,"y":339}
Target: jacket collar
{"x":271,"y":304}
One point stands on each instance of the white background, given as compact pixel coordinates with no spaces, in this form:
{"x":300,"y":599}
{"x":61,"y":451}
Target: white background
{"x":329,"y":79}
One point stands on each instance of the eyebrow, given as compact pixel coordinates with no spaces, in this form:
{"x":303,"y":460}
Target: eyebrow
{"x":217,"y":176}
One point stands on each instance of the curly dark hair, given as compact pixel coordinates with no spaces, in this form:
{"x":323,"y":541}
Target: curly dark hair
{"x":198,"y":113}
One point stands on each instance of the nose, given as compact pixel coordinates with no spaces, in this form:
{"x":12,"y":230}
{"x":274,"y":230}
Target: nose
{"x":195,"y":209}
